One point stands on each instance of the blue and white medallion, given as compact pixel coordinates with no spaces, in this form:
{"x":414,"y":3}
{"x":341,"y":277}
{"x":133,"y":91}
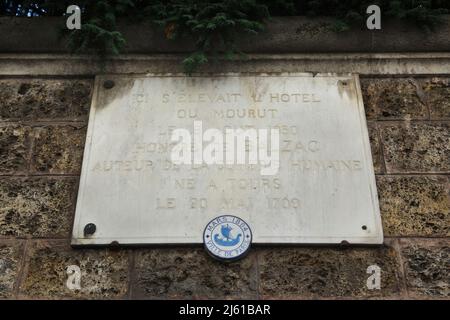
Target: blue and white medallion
{"x":227,"y":237}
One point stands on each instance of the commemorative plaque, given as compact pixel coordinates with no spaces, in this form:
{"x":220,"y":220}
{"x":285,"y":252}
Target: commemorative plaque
{"x":288,"y":154}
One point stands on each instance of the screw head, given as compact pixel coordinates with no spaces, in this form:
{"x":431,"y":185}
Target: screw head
{"x":108,"y":84}
{"x":89,"y":229}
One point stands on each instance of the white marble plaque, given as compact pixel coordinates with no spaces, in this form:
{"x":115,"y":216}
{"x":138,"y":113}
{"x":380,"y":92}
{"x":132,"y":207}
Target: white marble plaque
{"x":323,"y":190}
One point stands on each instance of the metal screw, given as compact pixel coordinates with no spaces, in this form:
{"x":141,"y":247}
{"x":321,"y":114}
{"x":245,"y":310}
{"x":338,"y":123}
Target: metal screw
{"x":108,"y":84}
{"x":114,"y":244}
{"x":89,"y":229}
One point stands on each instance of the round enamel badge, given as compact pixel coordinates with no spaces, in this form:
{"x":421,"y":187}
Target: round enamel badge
{"x":227,"y":238}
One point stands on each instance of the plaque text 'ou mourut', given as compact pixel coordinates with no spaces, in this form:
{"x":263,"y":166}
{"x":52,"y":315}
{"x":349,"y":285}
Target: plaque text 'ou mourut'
{"x":310,"y":180}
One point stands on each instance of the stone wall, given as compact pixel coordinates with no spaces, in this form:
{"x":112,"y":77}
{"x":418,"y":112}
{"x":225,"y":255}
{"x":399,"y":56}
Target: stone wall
{"x":42,"y":131}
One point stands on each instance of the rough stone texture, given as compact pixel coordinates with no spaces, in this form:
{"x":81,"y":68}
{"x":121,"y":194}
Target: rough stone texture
{"x":14,"y":148}
{"x":326,"y":272}
{"x":375,"y":146}
{"x":416,"y":147}
{"x":427,"y":268}
{"x":42,"y":207}
{"x":414,"y":205}
{"x":59,"y":149}
{"x":10,"y":257}
{"x":392,"y":99}
{"x":104,"y":273}
{"x":191,"y":273}
{"x":44,"y":99}
{"x":437,"y":95}
{"x":37,"y":207}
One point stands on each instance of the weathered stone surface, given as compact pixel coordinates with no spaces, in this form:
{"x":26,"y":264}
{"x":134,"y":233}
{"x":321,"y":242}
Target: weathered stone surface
{"x":326,"y":272}
{"x":323,"y":158}
{"x":58,"y":149}
{"x":416,"y":147}
{"x":104,"y":273}
{"x":437,"y":95}
{"x":10,"y":256}
{"x":392,"y":99}
{"x":427,"y":268}
{"x":375,"y":146}
{"x":188,"y":273}
{"x":414,"y":205}
{"x":37,"y":207}
{"x":14,"y":148}
{"x":43,"y":99}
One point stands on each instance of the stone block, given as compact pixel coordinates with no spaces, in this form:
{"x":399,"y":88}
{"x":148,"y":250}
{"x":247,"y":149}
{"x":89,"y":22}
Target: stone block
{"x":45,"y":99}
{"x":36,"y":207}
{"x":58,"y":149}
{"x":375,"y":146}
{"x":437,"y":96}
{"x":103,"y":273}
{"x":414,"y":205}
{"x":14,"y":148}
{"x":427,"y":267}
{"x":191,"y":273}
{"x":10,"y":259}
{"x":327,"y":272}
{"x":392,"y":99}
{"x":416,"y":147}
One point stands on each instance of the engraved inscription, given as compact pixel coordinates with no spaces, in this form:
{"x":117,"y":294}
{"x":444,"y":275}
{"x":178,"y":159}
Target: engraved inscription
{"x":318,"y":189}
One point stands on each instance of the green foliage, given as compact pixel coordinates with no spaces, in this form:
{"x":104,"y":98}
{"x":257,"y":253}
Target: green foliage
{"x":193,"y":61}
{"x":350,"y":13}
{"x":420,"y":11}
{"x":99,"y":33}
{"x":213,"y":25}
